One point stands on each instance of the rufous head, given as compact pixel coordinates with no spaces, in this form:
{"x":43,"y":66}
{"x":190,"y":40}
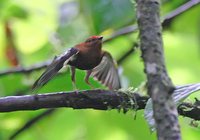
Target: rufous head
{"x":94,"y":39}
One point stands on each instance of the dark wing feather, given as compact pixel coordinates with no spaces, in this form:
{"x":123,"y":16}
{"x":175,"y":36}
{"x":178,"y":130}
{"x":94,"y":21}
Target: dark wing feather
{"x":106,"y":72}
{"x":54,"y":67}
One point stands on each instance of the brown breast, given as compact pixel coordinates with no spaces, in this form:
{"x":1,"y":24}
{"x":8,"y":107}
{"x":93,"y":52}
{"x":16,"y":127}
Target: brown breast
{"x":87,"y":58}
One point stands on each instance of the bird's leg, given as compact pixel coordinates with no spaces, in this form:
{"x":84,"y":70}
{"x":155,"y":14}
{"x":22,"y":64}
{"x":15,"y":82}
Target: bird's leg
{"x":73,"y":71}
{"x":88,"y":73}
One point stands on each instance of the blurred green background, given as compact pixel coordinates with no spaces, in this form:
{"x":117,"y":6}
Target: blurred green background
{"x":33,"y":31}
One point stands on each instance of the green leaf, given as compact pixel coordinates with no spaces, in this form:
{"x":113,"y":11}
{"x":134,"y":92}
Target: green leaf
{"x":105,"y":14}
{"x":17,"y":11}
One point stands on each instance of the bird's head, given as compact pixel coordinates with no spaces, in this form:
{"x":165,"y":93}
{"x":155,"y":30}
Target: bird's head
{"x":94,"y":41}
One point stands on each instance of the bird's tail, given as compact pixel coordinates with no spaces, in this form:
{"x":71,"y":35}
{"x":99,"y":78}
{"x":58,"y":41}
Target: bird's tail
{"x":53,"y":68}
{"x":179,"y":94}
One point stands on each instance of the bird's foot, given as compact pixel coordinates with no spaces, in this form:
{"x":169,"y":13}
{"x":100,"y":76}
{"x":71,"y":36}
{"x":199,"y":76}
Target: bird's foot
{"x":75,"y":87}
{"x":90,"y":85}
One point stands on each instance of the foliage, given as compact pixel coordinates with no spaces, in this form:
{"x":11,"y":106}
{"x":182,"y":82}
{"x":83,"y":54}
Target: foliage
{"x":45,"y":28}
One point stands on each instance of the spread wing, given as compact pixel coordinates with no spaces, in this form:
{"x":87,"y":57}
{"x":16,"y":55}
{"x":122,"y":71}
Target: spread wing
{"x":106,"y":72}
{"x":54,"y":67}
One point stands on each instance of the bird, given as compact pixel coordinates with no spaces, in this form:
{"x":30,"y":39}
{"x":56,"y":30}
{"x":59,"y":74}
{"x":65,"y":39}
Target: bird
{"x":87,"y":56}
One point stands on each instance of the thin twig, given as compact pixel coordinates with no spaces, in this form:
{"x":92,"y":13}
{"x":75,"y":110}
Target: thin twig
{"x":31,"y":122}
{"x":26,"y":70}
{"x":178,"y":11}
{"x":129,"y":52}
{"x":167,"y":18}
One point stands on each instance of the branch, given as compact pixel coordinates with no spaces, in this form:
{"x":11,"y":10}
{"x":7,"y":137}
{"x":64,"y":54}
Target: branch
{"x":160,"y":87}
{"x":191,"y":110}
{"x":129,"y":52}
{"x":95,"y":99}
{"x":178,"y":11}
{"x":26,"y":70}
{"x":123,"y":31}
{"x":91,"y":99}
{"x":167,"y":19}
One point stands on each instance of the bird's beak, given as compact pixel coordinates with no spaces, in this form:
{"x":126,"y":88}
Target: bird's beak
{"x":100,"y":38}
